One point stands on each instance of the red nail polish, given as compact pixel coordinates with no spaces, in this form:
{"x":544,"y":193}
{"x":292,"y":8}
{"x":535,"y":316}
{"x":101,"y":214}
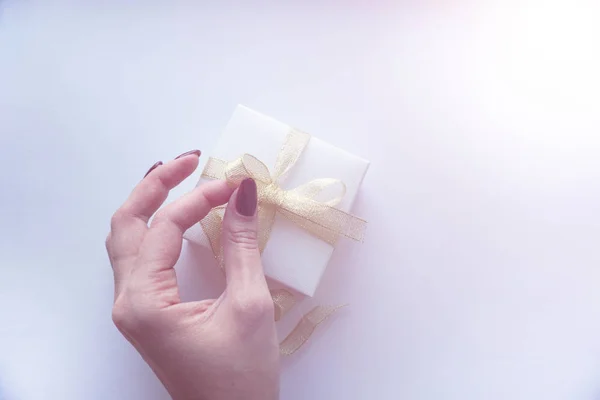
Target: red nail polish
{"x":246,"y":198}
{"x":187,"y":153}
{"x":152,"y":168}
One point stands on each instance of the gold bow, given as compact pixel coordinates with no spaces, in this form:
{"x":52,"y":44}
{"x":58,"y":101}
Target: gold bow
{"x":300,"y":205}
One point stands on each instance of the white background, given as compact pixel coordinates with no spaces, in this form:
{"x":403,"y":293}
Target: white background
{"x":479,"y":278}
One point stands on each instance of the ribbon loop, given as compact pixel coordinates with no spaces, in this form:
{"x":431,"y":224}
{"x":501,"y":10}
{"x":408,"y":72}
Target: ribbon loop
{"x":332,"y":189}
{"x":247,"y":166}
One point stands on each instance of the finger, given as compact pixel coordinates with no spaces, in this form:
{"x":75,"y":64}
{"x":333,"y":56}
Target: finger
{"x":240,"y":245}
{"x":152,"y":191}
{"x":162,"y":244}
{"x":188,"y":210}
{"x":129,"y":223}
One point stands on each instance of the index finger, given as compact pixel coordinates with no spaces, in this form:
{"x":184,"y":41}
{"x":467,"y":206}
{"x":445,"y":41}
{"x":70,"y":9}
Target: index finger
{"x":152,"y":191}
{"x":162,"y":245}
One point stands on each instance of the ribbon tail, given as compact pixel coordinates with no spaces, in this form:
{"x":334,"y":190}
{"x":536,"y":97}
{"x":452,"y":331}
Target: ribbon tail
{"x":305,"y":328}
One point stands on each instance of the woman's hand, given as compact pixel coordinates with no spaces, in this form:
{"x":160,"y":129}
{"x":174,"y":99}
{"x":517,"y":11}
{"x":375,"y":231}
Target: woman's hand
{"x":213,"y":349}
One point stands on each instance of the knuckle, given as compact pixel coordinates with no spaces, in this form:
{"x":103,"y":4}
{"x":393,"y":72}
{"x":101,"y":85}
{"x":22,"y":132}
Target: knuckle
{"x":130,"y":318}
{"x":117,"y":218}
{"x":242,"y":236}
{"x":253,"y":307}
{"x":155,"y":185}
{"x":120,"y":316}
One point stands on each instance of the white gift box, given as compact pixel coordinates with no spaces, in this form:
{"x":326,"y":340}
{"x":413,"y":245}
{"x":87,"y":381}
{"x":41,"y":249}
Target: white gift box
{"x":292,"y":256}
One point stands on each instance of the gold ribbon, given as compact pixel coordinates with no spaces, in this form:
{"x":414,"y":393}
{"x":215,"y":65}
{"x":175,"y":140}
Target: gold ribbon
{"x":311,"y":206}
{"x":307,"y":325}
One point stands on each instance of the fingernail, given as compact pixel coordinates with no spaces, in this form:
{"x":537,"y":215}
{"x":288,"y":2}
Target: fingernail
{"x":246,"y":198}
{"x":152,"y":168}
{"x":187,"y":153}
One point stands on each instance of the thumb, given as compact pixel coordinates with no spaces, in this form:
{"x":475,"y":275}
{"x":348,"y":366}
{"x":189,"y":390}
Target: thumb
{"x":240,"y":244}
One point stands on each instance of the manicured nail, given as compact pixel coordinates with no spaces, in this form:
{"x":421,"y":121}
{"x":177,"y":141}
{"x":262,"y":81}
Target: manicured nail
{"x":187,"y":153}
{"x":246,"y":198}
{"x":152,"y":168}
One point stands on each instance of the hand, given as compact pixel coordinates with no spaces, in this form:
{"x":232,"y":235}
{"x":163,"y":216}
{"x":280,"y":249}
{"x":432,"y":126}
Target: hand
{"x":213,"y":349}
